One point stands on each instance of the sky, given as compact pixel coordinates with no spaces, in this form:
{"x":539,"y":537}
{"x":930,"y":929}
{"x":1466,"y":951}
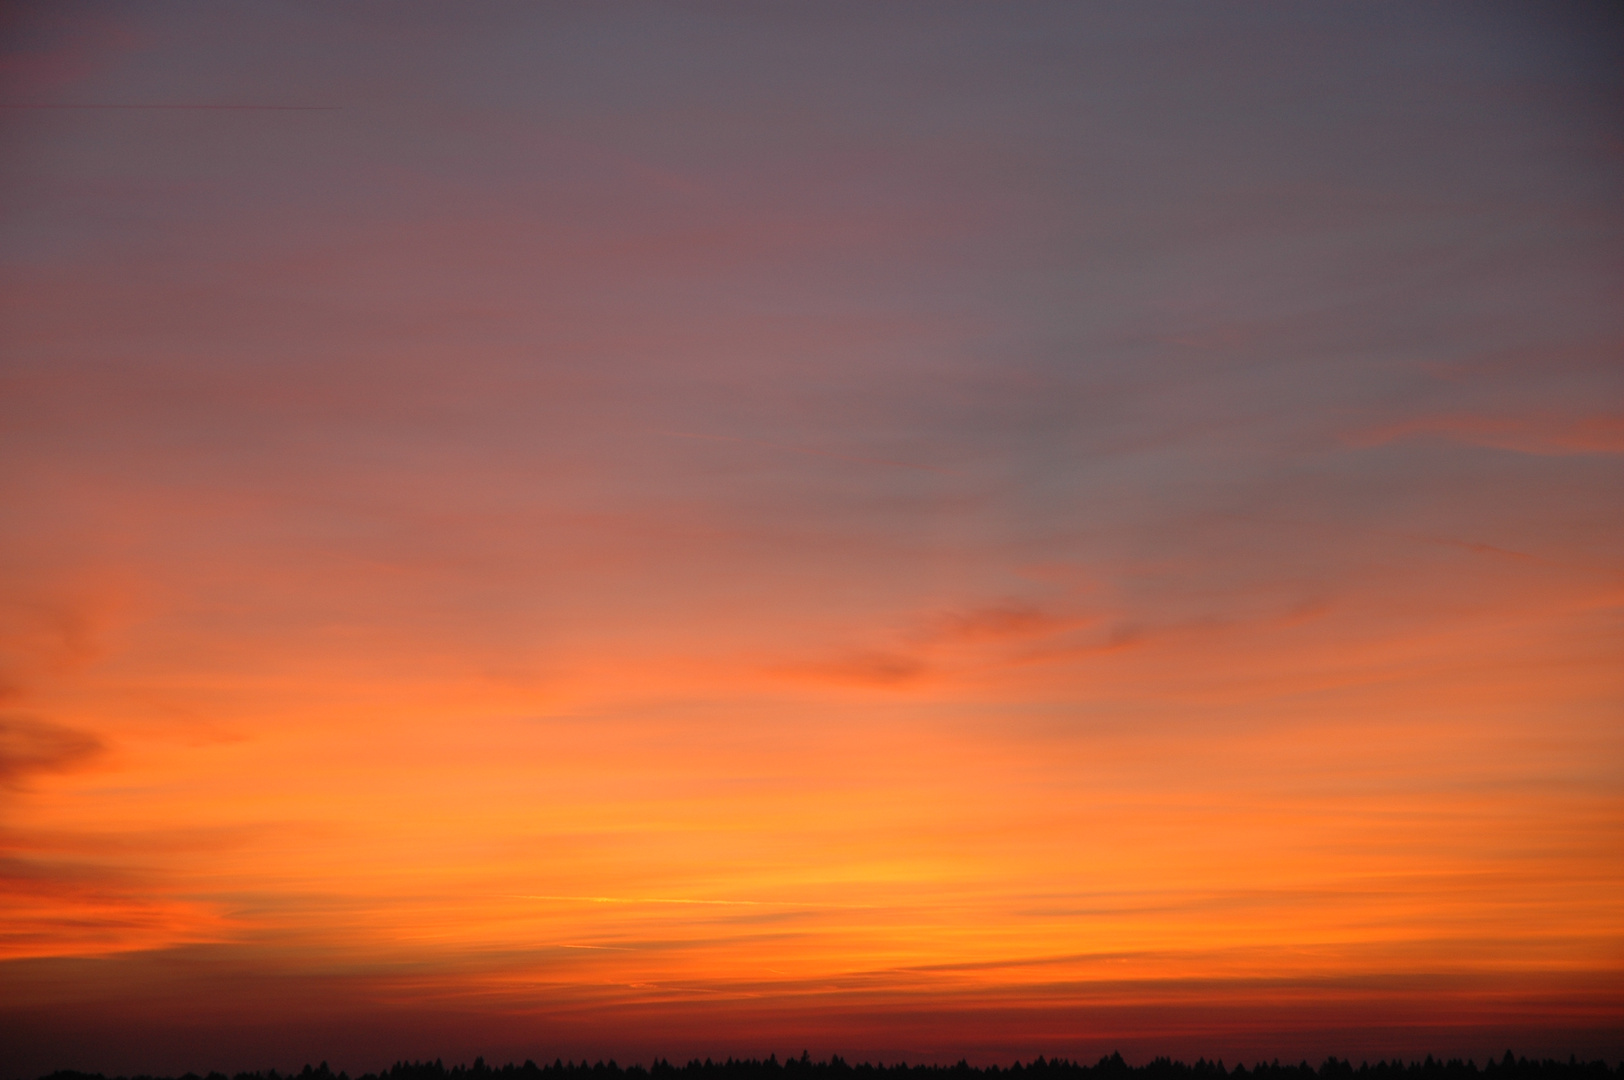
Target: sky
{"x":907,"y":530}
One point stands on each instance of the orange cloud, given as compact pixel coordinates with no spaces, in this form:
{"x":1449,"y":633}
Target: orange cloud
{"x":667,"y":533}
{"x":30,"y":746}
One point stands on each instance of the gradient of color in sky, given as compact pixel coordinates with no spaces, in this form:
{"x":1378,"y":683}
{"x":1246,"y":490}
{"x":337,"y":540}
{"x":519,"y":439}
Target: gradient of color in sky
{"x":893,"y":529}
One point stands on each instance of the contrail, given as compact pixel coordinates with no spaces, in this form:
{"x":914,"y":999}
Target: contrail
{"x":230,"y":108}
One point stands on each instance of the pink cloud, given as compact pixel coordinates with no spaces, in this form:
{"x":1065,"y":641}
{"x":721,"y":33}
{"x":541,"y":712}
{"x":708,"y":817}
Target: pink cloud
{"x":1546,"y":434}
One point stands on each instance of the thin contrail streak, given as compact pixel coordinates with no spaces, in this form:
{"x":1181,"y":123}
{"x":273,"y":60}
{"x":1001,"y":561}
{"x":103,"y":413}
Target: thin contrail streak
{"x":807,"y":450}
{"x":227,"y":108}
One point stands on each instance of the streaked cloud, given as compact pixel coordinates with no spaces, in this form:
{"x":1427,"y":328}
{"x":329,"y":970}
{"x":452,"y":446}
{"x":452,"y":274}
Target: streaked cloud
{"x":890,"y":531}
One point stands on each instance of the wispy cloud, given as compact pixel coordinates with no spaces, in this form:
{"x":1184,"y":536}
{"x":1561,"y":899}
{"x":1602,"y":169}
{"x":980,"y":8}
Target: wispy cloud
{"x":29,"y":746}
{"x":1543,"y":434}
{"x":830,"y":520}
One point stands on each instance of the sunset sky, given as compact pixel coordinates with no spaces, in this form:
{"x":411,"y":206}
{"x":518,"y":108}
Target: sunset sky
{"x":899,"y":529}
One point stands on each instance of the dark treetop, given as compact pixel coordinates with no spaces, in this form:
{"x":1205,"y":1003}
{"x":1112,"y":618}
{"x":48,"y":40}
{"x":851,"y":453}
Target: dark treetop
{"x":804,"y":1068}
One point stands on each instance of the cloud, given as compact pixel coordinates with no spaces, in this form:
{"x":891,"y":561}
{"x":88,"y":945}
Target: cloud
{"x":29,"y":746}
{"x":863,"y":668}
{"x":1545,"y":434}
{"x":942,"y":643}
{"x":45,"y":56}
{"x":558,"y":473}
{"x":998,"y":623}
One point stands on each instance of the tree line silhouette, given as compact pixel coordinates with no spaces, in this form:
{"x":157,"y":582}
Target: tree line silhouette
{"x":1113,"y":1067}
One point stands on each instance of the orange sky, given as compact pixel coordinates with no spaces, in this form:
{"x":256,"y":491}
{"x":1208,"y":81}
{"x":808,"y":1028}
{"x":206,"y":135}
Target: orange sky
{"x":898,"y":531}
